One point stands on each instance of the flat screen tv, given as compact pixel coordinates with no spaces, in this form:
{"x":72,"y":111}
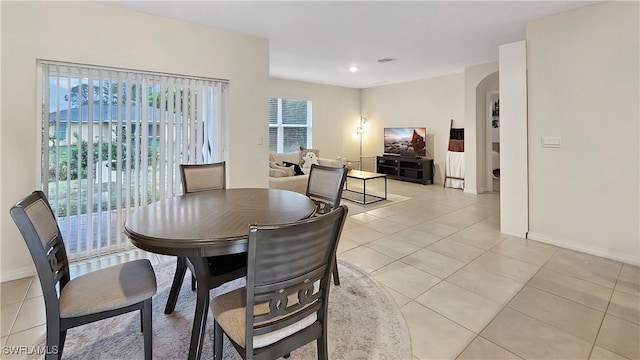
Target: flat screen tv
{"x":406,"y":141}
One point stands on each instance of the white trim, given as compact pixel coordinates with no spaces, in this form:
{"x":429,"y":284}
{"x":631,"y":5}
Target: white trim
{"x":471,"y":191}
{"x":19,"y":273}
{"x":40,"y":106}
{"x":145,"y":72}
{"x":568,"y":244}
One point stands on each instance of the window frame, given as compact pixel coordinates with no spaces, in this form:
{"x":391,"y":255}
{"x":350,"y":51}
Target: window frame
{"x":280,"y":125}
{"x":166,"y":136}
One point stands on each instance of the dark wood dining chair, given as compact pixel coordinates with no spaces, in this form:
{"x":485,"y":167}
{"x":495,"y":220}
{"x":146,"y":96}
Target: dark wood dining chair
{"x":325,"y":189}
{"x":285,"y":301}
{"x":87,"y":298}
{"x":223,"y":268}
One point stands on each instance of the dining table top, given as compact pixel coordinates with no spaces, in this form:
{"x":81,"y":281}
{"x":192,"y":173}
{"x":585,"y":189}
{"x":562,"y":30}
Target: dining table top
{"x":212,"y":222}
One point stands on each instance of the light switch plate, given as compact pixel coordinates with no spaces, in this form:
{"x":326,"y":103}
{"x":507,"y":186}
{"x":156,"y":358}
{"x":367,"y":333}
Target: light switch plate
{"x":551,"y":141}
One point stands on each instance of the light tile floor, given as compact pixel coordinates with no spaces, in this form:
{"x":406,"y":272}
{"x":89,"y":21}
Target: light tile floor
{"x":466,"y":290}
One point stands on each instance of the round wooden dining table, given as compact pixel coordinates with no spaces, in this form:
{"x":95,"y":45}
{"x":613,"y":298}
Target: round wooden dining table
{"x":209,"y":223}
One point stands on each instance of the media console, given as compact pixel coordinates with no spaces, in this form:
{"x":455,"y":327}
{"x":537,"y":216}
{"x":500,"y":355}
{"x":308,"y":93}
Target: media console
{"x":406,"y":168}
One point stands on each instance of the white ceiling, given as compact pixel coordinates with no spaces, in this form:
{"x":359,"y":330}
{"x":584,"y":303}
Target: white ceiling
{"x":317,"y":41}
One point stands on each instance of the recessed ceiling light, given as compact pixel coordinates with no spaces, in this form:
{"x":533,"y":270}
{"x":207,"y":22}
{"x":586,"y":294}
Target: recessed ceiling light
{"x":353,"y":68}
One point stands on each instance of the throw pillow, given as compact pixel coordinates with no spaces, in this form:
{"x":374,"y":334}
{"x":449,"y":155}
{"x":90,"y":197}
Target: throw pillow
{"x":304,"y":151}
{"x":296,"y":167}
{"x":293,"y":157}
{"x":288,"y":171}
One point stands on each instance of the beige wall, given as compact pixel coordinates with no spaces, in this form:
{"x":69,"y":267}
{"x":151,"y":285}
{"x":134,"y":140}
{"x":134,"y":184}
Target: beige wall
{"x":475,"y":89}
{"x":98,"y":34}
{"x":335,"y":115}
{"x":583,"y":87}
{"x":514,"y":165}
{"x":430,"y":103}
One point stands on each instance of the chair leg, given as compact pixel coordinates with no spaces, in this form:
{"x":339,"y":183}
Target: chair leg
{"x":217,"y":341}
{"x":181,"y":269}
{"x":58,"y":351}
{"x":147,"y":328}
{"x":336,"y":276}
{"x":54,"y":336}
{"x":142,"y":320}
{"x":323,"y":352}
{"x":193,"y":283}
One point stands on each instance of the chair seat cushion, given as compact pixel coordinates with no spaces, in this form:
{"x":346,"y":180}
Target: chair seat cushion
{"x":108,"y":289}
{"x":230,"y":312}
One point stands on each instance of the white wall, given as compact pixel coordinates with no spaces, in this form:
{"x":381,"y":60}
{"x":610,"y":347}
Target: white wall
{"x":431,"y":103}
{"x":484,"y":175}
{"x":336,"y":114}
{"x":474,"y":124}
{"x":514,"y":196}
{"x":98,"y":34}
{"x":583,"y":87}
{"x":1,"y":164}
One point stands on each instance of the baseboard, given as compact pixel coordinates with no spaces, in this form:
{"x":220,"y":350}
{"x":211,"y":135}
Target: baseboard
{"x":473,"y":191}
{"x":20,"y":273}
{"x":613,"y":255}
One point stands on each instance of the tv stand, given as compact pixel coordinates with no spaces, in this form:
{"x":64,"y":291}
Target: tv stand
{"x":406,"y":168}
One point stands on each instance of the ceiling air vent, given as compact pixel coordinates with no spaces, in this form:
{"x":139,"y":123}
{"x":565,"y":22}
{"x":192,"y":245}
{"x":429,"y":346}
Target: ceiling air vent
{"x":386,"y":60}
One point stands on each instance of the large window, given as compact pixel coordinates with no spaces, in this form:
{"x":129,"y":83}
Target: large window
{"x":113,"y":140}
{"x":289,"y":124}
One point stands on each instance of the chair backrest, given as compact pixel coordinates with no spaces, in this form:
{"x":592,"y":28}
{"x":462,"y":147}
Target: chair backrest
{"x":201,"y":177}
{"x":38,"y":226}
{"x":325,"y":186}
{"x":289,"y":268}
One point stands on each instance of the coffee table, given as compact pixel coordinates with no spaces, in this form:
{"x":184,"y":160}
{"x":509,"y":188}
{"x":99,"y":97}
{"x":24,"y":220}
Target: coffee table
{"x":362,"y":197}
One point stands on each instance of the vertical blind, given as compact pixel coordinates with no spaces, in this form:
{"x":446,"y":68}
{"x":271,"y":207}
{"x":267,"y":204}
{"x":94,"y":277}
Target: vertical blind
{"x":113,"y":140}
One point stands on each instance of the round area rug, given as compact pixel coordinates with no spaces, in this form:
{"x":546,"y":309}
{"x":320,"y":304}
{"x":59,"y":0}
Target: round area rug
{"x":364,"y":323}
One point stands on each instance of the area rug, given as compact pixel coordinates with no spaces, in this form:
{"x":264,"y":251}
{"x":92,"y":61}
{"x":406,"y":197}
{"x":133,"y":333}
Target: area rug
{"x":364,"y":323}
{"x":356,"y":208}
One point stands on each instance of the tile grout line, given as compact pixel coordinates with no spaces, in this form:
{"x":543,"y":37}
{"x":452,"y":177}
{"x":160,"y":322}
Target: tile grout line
{"x":497,"y":313}
{"x":24,"y":297}
{"x":444,"y":279}
{"x":593,"y":344}
{"x":506,"y":305}
{"x":604,"y":315}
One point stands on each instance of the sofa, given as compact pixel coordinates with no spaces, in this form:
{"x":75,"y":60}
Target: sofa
{"x":283,"y":177}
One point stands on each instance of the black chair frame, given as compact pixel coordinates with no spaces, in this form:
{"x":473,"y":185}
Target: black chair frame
{"x":325,"y":203}
{"x":288,"y":260}
{"x":52,"y":267}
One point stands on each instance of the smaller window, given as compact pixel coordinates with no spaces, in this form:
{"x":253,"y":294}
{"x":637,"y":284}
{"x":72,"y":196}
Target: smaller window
{"x":289,"y":124}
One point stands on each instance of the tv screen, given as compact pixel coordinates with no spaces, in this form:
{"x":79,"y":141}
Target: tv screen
{"x":407,"y":141}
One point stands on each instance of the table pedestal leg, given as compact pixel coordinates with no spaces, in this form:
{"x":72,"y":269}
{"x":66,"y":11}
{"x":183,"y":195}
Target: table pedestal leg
{"x":181,"y":268}
{"x":201,"y":272}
